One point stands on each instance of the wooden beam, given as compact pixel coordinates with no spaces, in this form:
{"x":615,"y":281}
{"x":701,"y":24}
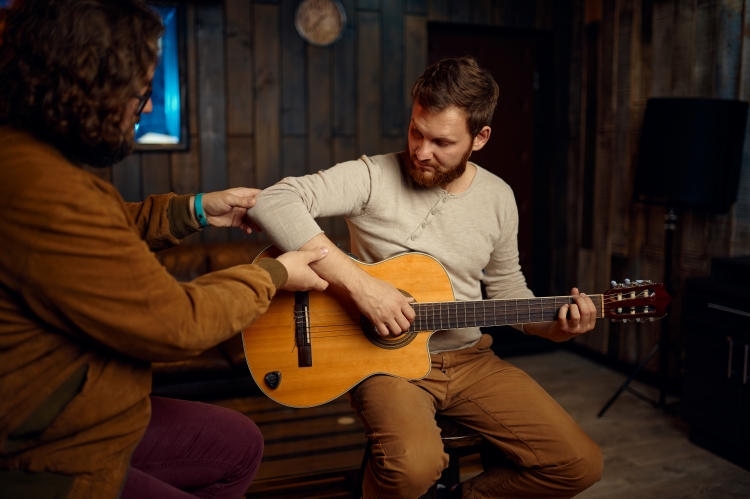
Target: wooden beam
{"x":211,"y":96}
{"x":319,"y":76}
{"x":267,"y":91}
{"x":239,"y":42}
{"x":155,"y":173}
{"x":345,"y":76}
{"x":293,"y":84}
{"x":126,"y":177}
{"x":369,"y":82}
{"x":393,"y":68}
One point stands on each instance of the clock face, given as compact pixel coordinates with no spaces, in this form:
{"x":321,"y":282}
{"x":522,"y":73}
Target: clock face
{"x":320,"y":22}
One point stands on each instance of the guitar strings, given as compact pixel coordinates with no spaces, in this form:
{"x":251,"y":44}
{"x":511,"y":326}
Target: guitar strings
{"x":533,"y":304}
{"x":535,"y":312}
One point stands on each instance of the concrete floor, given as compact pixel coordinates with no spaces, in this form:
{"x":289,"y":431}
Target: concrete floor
{"x":647,"y":454}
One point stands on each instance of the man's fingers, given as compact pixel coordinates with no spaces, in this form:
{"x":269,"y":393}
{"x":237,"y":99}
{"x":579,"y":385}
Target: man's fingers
{"x":575,"y":315}
{"x":382,"y":330}
{"x":247,"y":202}
{"x":408,"y":311}
{"x":394,"y":327}
{"x":403,"y":323}
{"x":320,"y":285}
{"x":316,"y":254}
{"x":232,"y":201}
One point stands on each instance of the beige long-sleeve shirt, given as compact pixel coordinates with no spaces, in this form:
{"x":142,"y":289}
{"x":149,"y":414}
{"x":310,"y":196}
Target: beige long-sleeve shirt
{"x":473,"y":233}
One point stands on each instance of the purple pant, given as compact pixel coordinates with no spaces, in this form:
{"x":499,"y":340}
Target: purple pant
{"x":193,"y":450}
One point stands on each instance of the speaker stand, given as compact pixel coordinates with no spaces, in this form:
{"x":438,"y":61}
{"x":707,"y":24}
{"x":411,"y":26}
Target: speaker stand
{"x":662,"y":345}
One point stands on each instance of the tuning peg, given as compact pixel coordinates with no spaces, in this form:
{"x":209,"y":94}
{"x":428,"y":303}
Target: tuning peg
{"x":627,"y":282}
{"x":613,"y":284}
{"x":639,"y":282}
{"x":651,"y":319}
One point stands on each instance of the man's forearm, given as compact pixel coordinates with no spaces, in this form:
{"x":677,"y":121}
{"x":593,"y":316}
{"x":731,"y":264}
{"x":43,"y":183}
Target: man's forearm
{"x":380,"y":301}
{"x":337,"y":268}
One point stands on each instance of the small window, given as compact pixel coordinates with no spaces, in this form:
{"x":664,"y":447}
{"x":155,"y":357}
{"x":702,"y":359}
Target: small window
{"x":165,"y":126}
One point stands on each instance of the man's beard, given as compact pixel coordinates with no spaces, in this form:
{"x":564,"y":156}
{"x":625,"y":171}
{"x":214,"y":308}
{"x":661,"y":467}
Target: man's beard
{"x":440,"y":176}
{"x":103,"y":155}
{"x":100,"y":155}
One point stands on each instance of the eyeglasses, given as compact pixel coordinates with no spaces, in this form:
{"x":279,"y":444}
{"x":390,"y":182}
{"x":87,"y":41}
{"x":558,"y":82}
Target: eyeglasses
{"x":143,"y":100}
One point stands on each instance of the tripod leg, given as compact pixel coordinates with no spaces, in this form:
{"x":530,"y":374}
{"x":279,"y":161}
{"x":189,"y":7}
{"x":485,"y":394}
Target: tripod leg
{"x":630,"y":378}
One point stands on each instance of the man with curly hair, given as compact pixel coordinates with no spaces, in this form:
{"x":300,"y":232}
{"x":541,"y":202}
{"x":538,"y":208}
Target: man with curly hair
{"x":85,"y":307}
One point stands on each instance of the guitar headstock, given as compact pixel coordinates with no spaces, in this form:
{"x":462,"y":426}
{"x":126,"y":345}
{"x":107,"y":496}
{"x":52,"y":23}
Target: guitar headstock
{"x":636,"y":301}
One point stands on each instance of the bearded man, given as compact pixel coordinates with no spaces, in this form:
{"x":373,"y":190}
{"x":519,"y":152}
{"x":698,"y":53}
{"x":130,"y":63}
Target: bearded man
{"x":431,"y":199}
{"x":85,"y":307}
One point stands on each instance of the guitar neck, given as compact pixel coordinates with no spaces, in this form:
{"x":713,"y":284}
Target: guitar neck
{"x":435,"y":316}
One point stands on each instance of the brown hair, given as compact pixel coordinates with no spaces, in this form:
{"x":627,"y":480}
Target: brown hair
{"x":68,"y":68}
{"x":460,"y":82}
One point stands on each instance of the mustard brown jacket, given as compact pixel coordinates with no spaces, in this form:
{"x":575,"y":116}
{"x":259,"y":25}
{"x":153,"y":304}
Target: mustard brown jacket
{"x":85,"y":307}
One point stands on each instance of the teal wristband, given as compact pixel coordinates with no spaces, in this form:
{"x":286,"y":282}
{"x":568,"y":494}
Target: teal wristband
{"x":199,"y":213}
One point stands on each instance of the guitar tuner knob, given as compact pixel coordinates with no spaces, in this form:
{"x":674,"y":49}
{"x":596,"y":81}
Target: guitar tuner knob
{"x":639,"y":282}
{"x":651,"y":319}
{"x":613,"y":284}
{"x":627,"y":282}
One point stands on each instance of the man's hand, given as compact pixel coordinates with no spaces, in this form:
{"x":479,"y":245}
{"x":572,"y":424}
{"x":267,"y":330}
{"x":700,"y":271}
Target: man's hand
{"x":384,"y":305}
{"x":378,"y":300}
{"x":228,"y":208}
{"x":582,"y":318}
{"x":301,"y":276}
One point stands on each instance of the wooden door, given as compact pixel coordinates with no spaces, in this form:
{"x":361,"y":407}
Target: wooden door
{"x":517,"y":150}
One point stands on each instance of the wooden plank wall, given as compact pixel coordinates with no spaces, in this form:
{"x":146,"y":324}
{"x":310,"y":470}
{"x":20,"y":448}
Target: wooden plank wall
{"x":264,"y":105}
{"x":642,"y":49}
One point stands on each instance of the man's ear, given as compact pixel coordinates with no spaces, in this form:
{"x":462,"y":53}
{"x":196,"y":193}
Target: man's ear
{"x":481,"y":139}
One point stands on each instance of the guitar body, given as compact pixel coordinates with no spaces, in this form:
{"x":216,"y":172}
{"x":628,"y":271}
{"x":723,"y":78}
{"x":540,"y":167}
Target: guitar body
{"x":342,"y":353}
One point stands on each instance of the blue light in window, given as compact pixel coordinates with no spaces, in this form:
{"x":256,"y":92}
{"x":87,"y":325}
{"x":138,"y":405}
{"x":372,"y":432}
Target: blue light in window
{"x":162,"y":125}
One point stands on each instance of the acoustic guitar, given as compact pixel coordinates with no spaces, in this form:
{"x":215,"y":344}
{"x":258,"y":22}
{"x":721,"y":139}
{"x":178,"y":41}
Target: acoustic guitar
{"x":312,"y":347}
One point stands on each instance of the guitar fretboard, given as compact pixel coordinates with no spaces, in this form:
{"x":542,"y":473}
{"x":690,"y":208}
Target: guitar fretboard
{"x":460,"y":314}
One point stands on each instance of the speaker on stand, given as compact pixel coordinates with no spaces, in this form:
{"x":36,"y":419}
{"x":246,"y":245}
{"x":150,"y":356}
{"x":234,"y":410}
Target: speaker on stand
{"x":690,"y":158}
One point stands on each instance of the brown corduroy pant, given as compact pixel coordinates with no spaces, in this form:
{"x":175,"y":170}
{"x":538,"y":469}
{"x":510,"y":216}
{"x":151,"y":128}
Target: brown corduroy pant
{"x":554,"y":457}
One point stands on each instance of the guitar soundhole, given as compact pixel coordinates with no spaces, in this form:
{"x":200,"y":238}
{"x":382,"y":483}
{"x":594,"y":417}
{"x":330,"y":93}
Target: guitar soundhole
{"x":387,"y":342}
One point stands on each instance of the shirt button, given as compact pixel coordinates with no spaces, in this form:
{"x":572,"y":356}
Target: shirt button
{"x":433,"y":211}
{"x":445,"y":200}
{"x":413,"y":237}
{"x":424,"y":224}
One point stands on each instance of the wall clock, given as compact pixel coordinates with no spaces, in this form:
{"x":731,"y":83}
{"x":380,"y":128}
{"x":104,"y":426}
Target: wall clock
{"x":320,"y":22}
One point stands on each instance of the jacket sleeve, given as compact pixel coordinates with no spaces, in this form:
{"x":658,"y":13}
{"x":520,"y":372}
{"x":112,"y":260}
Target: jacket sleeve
{"x":163,"y":220}
{"x":87,"y":272}
{"x":287,"y":211}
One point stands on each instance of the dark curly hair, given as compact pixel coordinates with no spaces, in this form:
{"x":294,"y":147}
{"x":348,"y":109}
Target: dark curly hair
{"x":460,"y":82}
{"x":69,"y":68}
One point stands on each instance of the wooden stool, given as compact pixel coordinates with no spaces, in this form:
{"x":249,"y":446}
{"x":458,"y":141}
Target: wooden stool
{"x":458,"y":441}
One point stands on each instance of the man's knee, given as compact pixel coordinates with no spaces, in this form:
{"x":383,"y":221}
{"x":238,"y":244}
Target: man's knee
{"x":250,"y":443}
{"x":241,"y":442}
{"x":582,"y":469}
{"x":407,"y":471}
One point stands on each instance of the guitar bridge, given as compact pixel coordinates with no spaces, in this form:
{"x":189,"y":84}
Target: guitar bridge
{"x":302,"y":328}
